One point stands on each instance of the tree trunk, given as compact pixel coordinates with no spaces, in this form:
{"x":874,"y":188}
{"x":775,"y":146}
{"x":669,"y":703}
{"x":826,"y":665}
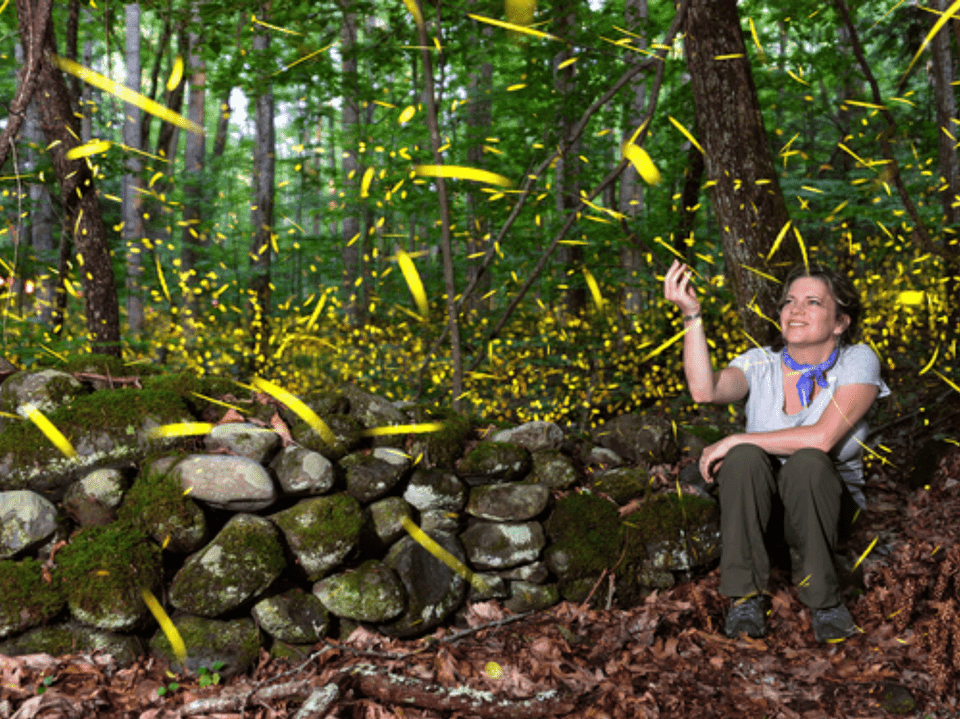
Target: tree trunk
{"x":746,"y":195}
{"x":567,"y":167}
{"x":353,"y":242}
{"x":163,"y":47}
{"x":630,"y":201}
{"x":132,"y":180}
{"x":79,"y":197}
{"x":479,"y":118}
{"x":42,"y":221}
{"x":193,"y":238}
{"x":261,"y":216}
{"x":87,"y":94}
{"x":943,"y":77}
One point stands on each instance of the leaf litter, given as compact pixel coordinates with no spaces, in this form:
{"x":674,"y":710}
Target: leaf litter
{"x":663,"y":658}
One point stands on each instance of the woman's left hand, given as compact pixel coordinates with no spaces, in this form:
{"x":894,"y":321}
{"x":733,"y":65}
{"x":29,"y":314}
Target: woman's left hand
{"x":712,"y":457}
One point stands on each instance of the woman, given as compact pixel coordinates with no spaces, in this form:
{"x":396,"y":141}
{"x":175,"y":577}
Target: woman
{"x":806,"y":420}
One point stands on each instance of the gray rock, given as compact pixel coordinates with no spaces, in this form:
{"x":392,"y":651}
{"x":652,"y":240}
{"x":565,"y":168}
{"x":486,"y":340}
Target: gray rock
{"x":508,"y":502}
{"x":94,"y":499}
{"x":371,"y":476}
{"x":244,"y":440}
{"x":602,"y":457}
{"x":45,"y":389}
{"x":494,"y":587}
{"x":233,"y":644}
{"x":435,"y":520}
{"x":295,"y":616}
{"x":386,"y":520}
{"x":526,"y":597}
{"x":553,"y":469}
{"x":321,"y":531}
{"x":493,"y":463}
{"x":500,"y":545}
{"x":639,"y":439}
{"x":26,"y":521}
{"x":301,"y":471}
{"x":434,"y":591}
{"x":534,"y":573}
{"x":370,"y":593}
{"x":372,"y":411}
{"x":239,"y":564}
{"x":74,"y":638}
{"x":692,"y":548}
{"x":621,"y":484}
{"x":435,"y":489}
{"x":235,"y":483}
{"x":532,"y":435}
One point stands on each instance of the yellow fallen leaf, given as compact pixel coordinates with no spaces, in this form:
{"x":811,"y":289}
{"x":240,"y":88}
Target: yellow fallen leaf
{"x":420,"y":428}
{"x":180,"y":429}
{"x":408,"y":112}
{"x":414,"y":282}
{"x":176,"y":75}
{"x":94,"y":147}
{"x":298,"y":407}
{"x":365,"y":182}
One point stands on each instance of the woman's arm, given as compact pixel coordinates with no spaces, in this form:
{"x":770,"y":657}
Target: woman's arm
{"x":849,"y":405}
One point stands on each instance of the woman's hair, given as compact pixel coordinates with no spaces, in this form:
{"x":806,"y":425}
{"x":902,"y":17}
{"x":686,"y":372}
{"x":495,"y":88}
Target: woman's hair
{"x":840,"y":288}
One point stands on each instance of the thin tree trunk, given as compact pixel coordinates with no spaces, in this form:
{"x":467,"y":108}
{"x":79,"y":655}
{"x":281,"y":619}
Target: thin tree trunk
{"x":352,"y":250}
{"x":746,"y":193}
{"x":261,"y":216}
{"x":630,"y":201}
{"x":73,"y":27}
{"x":567,"y":168}
{"x":78,"y":194}
{"x":223,"y":126}
{"x":159,"y":55}
{"x":41,"y":221}
{"x":132,"y":200}
{"x":87,"y":94}
{"x":946,"y":103}
{"x":193,"y":239}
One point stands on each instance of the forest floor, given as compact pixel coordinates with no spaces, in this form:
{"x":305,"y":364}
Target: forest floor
{"x":666,"y":658}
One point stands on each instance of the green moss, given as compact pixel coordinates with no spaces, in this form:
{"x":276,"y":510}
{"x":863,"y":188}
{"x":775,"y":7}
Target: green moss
{"x":588,"y":529}
{"x":622,"y":484}
{"x":707,"y":434}
{"x":156,"y":500}
{"x":120,"y":411}
{"x":26,"y":599}
{"x":497,"y":460}
{"x":330,"y":518}
{"x":105,"y":567}
{"x":188,"y":386}
{"x":444,"y":447}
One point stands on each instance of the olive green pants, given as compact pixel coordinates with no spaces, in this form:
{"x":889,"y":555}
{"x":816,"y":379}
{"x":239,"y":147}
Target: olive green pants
{"x":813,"y":500}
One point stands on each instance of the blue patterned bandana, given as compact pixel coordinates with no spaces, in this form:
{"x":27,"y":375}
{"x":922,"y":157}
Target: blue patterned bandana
{"x":809,"y":373}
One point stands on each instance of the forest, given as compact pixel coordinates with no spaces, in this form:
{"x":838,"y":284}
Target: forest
{"x":473,"y":203}
{"x":477,"y":208}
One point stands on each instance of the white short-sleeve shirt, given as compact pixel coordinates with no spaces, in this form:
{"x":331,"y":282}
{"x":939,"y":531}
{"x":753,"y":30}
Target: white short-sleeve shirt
{"x":856,"y":364}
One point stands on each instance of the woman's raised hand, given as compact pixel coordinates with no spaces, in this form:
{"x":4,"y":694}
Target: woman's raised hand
{"x":678,"y":290}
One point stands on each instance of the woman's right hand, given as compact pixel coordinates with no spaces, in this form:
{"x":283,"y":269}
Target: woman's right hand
{"x":678,"y":290}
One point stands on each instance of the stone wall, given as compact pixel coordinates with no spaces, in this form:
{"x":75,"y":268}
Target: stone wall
{"x":258,"y":532}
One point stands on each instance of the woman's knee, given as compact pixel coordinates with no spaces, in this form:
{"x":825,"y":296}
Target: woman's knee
{"x":810,"y":470}
{"x":743,"y":464}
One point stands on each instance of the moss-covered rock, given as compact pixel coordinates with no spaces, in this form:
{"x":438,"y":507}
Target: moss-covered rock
{"x":157,"y":506}
{"x":445,"y":446}
{"x":26,"y":599}
{"x":494,"y":462}
{"x":232,"y":645}
{"x":321,"y":531}
{"x":74,"y":638}
{"x":370,"y":593}
{"x":553,"y":468}
{"x":45,"y":389}
{"x":346,"y":430}
{"x":194,"y":389}
{"x":586,"y":533}
{"x":238,"y":565}
{"x":105,"y":427}
{"x":621,"y":484}
{"x":103,"y":570}
{"x":294,"y":616}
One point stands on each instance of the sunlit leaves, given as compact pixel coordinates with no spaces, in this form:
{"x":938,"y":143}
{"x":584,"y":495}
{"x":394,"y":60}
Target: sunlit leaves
{"x":642,"y":162}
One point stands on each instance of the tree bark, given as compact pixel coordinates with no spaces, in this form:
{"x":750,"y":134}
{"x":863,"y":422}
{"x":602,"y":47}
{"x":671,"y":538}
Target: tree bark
{"x":630,"y":201}
{"x":353,"y":241}
{"x":193,"y":238}
{"x":79,"y":196}
{"x":746,"y":196}
{"x":946,"y":103}
{"x":261,"y":216}
{"x":132,"y":200}
{"x":567,"y":168}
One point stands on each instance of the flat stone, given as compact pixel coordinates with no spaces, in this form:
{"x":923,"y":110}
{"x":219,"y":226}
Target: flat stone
{"x":321,"y":531}
{"x":26,"y":520}
{"x":239,"y":484}
{"x":370,"y":593}
{"x":94,"y":499}
{"x":532,"y":435}
{"x":508,"y":502}
{"x":435,"y":489}
{"x":302,"y":472}
{"x":501,"y":545}
{"x":295,"y":616}
{"x":244,"y":440}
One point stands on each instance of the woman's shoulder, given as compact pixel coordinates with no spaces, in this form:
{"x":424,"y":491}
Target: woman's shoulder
{"x":756,"y":358}
{"x":859,"y":354}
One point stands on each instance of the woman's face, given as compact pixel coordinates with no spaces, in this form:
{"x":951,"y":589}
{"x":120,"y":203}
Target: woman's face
{"x":809,"y":314}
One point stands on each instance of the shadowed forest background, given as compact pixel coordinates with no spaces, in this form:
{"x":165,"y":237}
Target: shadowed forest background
{"x":279,"y":240}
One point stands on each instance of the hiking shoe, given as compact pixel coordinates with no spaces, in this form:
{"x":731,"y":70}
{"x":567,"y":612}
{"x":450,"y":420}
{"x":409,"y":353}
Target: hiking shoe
{"x":747,"y":615}
{"x":833,"y":624}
